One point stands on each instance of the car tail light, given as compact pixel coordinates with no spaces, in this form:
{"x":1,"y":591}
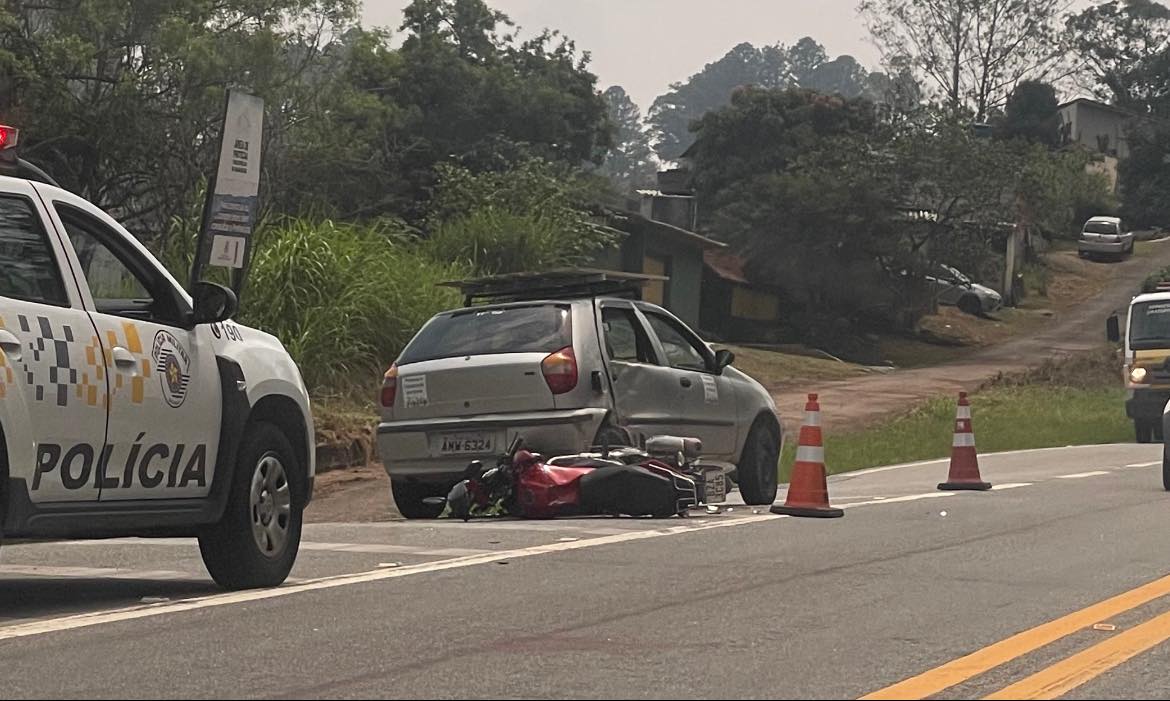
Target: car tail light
{"x":390,"y":386}
{"x":560,"y":370}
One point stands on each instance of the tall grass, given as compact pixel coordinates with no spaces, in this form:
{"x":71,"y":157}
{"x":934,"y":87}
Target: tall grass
{"x":1078,"y":400}
{"x":344,"y":298}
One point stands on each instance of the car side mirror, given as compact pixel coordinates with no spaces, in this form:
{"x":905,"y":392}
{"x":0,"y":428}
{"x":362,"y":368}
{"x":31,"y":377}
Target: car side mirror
{"x":213,"y":303}
{"x":1113,"y":328}
{"x":723,"y":358}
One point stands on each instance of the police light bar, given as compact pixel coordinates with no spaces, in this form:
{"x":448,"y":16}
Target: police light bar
{"x":8,"y":137}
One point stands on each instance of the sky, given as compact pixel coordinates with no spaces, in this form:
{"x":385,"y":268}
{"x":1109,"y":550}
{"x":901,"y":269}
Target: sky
{"x":645,"y":45}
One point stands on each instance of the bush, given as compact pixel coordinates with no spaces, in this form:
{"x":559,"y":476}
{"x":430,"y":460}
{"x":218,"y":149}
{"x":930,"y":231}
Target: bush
{"x":343,"y":298}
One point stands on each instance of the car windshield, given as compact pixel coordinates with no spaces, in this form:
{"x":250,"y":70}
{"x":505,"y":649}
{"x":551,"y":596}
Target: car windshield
{"x":951,"y":275}
{"x":1100,"y":227}
{"x":1149,"y":325}
{"x":528,"y":329}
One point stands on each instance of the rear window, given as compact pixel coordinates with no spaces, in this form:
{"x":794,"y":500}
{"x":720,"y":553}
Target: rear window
{"x":1100,"y":227}
{"x":537,"y":329}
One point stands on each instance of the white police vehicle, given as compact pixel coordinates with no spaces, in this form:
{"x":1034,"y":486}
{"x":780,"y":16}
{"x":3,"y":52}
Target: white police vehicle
{"x":130,"y":408}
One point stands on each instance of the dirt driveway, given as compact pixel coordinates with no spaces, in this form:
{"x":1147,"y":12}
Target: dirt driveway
{"x":861,"y":400}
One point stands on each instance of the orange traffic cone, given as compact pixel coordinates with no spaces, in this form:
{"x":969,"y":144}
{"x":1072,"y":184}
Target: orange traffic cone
{"x":964,"y":472}
{"x":808,"y":492}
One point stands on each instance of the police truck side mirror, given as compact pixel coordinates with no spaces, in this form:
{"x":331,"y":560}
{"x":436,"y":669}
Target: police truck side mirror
{"x":1113,"y":328}
{"x":723,"y":358}
{"x":213,"y":303}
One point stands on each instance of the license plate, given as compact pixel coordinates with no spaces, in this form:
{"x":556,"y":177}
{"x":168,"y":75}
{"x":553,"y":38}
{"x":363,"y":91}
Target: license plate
{"x":714,"y":486}
{"x":465,"y":444}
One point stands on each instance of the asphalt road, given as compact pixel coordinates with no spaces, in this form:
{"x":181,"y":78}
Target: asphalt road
{"x":915,"y":593}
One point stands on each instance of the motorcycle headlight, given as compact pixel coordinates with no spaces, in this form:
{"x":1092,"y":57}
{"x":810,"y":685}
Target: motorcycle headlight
{"x":1138,"y":375}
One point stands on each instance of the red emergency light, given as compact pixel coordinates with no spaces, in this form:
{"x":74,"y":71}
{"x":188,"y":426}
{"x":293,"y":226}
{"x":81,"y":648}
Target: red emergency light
{"x":8,"y":137}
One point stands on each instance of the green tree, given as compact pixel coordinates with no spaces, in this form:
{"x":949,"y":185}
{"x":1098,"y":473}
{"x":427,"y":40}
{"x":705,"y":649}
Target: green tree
{"x":799,"y":182}
{"x":534,"y":216}
{"x":630,"y":162}
{"x":1031,"y":114}
{"x":1125,"y":49}
{"x":1145,"y":176}
{"x":804,"y":64}
{"x":463,"y":89}
{"x":672,"y":113}
{"x":122,"y":101}
{"x":973,"y":51}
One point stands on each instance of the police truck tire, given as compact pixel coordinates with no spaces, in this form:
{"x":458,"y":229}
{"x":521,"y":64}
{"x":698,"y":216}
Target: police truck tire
{"x":758,"y":471}
{"x":255,"y":543}
{"x":409,"y":496}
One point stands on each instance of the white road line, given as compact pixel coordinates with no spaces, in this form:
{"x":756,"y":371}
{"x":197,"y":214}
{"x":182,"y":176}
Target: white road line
{"x":86,"y":620}
{"x":1009,"y":485}
{"x":942,"y":461}
{"x":1079,"y":475}
{"x":372,"y":548}
{"x":1145,"y":464}
{"x":895,"y":500}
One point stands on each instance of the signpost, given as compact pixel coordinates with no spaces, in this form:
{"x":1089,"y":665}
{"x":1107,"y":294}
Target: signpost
{"x":229,"y":215}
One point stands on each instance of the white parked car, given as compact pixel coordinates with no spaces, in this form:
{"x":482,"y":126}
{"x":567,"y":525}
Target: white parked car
{"x":956,"y":289}
{"x":129,"y":408}
{"x":1105,"y":236}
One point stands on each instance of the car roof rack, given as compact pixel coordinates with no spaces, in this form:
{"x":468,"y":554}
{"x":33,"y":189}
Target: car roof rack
{"x":561,"y":283}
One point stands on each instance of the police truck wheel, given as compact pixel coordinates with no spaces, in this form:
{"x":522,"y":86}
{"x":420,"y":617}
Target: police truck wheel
{"x":757,"y":474}
{"x":409,"y":496}
{"x":255,"y":543}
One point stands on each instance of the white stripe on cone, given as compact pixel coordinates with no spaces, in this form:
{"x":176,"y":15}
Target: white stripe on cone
{"x":964,"y":440}
{"x":810,"y":453}
{"x":812,"y":418}
{"x":964,"y":412}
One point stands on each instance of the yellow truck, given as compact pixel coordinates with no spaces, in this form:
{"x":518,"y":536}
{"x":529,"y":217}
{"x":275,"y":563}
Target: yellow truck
{"x":1147,"y":359}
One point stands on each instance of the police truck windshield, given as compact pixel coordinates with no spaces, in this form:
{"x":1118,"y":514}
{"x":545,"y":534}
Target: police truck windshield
{"x":1149,"y":325}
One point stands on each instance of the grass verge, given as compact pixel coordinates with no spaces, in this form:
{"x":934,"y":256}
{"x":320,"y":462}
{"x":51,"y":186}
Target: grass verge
{"x":1078,"y":401}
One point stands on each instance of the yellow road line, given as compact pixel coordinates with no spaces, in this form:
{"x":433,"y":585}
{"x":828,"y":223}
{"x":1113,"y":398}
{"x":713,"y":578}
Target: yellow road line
{"x":1068,"y":674}
{"x":1020,"y":644}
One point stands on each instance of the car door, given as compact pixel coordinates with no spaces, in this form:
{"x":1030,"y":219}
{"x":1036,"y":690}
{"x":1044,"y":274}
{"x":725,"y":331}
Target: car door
{"x":164,"y":389}
{"x":646,"y":392}
{"x":52,"y":379}
{"x":707,"y":399}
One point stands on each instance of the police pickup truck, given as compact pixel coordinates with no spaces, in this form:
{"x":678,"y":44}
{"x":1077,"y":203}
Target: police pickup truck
{"x":131,"y":408}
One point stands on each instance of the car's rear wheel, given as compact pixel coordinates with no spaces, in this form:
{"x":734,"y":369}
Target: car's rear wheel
{"x":759,"y":466}
{"x":409,"y":498}
{"x":970,"y":304}
{"x":255,"y":543}
{"x":1143,"y":430}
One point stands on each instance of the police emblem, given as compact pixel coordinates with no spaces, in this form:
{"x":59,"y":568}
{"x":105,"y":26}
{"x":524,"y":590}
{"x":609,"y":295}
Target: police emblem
{"x":173,"y":365}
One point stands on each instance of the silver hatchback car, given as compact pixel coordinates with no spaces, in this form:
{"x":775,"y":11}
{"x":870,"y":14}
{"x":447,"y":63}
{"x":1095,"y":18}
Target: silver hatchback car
{"x":567,"y":375}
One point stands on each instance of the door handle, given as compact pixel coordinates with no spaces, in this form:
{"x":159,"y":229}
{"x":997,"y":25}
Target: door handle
{"x":123,"y":358}
{"x":685,"y":381}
